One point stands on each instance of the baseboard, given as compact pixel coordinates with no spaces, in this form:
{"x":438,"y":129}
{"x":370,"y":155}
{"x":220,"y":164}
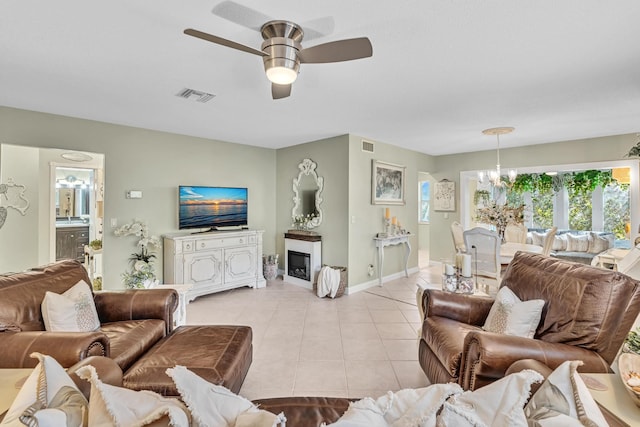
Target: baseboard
{"x":352,"y":289}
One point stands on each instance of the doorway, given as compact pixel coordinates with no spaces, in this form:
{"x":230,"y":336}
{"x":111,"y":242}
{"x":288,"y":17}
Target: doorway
{"x":77,"y":209}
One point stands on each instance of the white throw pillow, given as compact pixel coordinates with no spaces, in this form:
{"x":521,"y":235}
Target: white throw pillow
{"x":537,"y":238}
{"x":564,"y":400}
{"x":577,"y":243}
{"x":559,"y":243}
{"x":117,"y":406}
{"x":408,"y":407}
{"x":213,"y":405}
{"x":597,"y":243}
{"x":39,"y":398}
{"x":73,"y":311}
{"x":497,"y":404}
{"x":511,"y":316}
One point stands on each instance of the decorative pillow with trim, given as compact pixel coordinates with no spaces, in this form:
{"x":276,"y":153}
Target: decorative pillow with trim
{"x":72,"y":311}
{"x":537,"y":238}
{"x":577,"y":243}
{"x":511,"y":316}
{"x":559,"y":243}
{"x":564,"y":400}
{"x":497,"y":404}
{"x":117,"y":406}
{"x":213,"y":405}
{"x":598,"y":243}
{"x":48,"y":397}
{"x":408,"y":407}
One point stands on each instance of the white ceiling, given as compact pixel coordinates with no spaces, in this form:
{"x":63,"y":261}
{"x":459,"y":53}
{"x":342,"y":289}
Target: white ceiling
{"x":441,"y":71}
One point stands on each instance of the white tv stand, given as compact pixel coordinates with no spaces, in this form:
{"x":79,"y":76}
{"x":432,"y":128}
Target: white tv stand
{"x":214,"y":261}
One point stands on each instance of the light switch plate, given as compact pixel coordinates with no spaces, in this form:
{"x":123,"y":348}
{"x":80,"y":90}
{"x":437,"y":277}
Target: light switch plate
{"x":134,"y":194}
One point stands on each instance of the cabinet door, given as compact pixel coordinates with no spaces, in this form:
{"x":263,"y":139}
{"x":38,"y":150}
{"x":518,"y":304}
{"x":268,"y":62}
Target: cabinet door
{"x":65,"y":244}
{"x":203,"y":268}
{"x":240,"y":263}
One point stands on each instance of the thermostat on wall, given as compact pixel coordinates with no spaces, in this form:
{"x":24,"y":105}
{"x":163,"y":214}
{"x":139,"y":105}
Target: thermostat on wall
{"x":134,"y":194}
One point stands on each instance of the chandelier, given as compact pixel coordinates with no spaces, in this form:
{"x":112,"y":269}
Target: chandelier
{"x":495,"y":176}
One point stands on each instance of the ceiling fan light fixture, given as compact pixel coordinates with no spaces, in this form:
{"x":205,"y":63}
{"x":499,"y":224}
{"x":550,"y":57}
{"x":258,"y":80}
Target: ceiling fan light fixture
{"x":281,"y":75}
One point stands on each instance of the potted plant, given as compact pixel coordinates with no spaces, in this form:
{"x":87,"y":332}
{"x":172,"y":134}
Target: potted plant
{"x":96,"y":244}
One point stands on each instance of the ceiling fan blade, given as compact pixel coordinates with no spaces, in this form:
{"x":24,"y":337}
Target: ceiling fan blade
{"x":241,"y":15}
{"x":224,"y":42}
{"x":280,"y":91}
{"x":337,"y":51}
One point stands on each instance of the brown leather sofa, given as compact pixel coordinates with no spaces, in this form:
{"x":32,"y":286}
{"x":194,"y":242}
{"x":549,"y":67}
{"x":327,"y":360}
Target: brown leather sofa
{"x":587,"y":314}
{"x":132,"y":321}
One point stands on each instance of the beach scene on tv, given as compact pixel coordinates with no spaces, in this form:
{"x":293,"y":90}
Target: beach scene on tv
{"x":202,"y":207}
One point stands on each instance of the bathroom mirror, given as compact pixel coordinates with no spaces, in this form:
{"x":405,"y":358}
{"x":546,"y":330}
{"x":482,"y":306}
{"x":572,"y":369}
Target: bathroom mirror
{"x":307,"y":189}
{"x":73,"y":192}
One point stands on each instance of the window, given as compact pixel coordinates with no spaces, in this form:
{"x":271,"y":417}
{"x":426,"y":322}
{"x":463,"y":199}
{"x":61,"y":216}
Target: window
{"x":580,"y":210}
{"x":542,"y":209}
{"x":616,"y":210}
{"x":423,"y":215}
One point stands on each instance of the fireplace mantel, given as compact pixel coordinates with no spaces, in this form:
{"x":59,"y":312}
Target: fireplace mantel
{"x":301,"y":235}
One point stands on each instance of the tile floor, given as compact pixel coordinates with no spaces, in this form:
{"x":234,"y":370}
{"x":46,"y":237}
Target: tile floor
{"x":357,"y":345}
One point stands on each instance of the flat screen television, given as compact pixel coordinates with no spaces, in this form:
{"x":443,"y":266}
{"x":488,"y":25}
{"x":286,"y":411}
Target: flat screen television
{"x":212,"y":207}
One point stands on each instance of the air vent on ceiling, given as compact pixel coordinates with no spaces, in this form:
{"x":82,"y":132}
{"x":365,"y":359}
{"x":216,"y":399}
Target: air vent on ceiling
{"x":367,"y":146}
{"x":199,"y":96}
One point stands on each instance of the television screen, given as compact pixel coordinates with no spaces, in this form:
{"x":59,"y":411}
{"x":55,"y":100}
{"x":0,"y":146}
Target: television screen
{"x":213,"y":207}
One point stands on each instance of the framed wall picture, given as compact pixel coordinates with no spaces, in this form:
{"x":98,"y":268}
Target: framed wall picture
{"x":444,"y":197}
{"x":387,"y":183}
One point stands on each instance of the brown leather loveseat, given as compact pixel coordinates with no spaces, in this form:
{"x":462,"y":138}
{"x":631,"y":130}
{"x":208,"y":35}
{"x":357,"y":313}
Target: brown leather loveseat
{"x":132,"y":321}
{"x":587,"y":314}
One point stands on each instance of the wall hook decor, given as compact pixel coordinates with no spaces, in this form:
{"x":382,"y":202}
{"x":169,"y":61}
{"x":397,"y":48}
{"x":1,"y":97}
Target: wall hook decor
{"x":14,"y":194}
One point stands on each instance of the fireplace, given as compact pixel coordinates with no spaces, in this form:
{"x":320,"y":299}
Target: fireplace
{"x":299,"y":265}
{"x":302,"y":259}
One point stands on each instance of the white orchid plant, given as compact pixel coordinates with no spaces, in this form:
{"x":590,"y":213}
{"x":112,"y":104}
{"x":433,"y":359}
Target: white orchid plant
{"x":142,"y":272}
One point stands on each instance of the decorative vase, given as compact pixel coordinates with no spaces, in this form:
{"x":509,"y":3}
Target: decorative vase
{"x":150,"y":283}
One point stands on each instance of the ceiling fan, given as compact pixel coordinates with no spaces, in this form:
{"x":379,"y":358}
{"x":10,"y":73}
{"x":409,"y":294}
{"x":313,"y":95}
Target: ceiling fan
{"x":282,"y":53}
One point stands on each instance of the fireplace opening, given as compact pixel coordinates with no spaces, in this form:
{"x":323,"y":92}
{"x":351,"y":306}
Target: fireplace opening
{"x":299,"y":265}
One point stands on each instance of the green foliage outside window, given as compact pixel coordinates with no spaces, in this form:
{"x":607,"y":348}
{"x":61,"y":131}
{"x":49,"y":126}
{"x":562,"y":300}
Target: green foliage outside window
{"x":616,"y":209}
{"x":580,"y":209}
{"x":542,"y":209}
{"x":580,"y":186}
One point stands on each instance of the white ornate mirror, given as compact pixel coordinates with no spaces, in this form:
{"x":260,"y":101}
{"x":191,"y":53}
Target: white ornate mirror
{"x":307,"y":197}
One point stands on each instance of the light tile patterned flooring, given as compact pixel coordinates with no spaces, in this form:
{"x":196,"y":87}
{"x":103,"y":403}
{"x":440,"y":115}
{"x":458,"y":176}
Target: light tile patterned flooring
{"x":357,"y":345}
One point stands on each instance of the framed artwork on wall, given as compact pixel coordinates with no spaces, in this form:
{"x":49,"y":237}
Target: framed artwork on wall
{"x":387,"y":183}
{"x":444,"y":199}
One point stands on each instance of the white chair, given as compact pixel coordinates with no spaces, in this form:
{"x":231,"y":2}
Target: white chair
{"x":630,"y":263}
{"x":547,"y":244}
{"x":458,"y":238}
{"x":484,"y":247}
{"x":515,"y":233}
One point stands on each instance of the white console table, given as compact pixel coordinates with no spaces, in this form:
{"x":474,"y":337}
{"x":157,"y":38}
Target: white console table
{"x":381,"y":242}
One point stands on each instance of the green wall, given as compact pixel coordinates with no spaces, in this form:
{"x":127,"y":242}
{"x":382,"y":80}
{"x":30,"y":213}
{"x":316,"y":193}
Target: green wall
{"x":155,"y":163}
{"x":332,"y":159}
{"x":367,"y":219}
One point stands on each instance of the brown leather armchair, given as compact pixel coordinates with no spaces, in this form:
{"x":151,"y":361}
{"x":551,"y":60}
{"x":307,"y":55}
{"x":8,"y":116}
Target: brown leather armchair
{"x":131,"y":321}
{"x":587,"y":314}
